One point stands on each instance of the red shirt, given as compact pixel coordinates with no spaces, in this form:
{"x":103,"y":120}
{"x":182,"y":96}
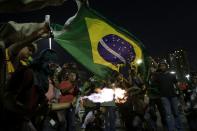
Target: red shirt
{"x":66,"y":86}
{"x":183,"y":86}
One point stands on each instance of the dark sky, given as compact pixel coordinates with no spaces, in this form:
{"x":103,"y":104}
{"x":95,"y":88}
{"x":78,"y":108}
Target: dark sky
{"x":162,"y":26}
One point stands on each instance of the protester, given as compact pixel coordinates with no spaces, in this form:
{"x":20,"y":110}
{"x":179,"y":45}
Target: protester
{"x":192,"y":103}
{"x":20,"y":46}
{"x":155,"y":104}
{"x":69,"y":91}
{"x":24,"y":96}
{"x":167,"y":83}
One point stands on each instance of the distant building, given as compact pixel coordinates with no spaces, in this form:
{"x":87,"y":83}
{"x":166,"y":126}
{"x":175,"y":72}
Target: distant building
{"x":178,"y":61}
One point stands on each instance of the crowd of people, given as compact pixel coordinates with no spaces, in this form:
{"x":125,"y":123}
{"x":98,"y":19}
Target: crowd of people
{"x":41,"y":95}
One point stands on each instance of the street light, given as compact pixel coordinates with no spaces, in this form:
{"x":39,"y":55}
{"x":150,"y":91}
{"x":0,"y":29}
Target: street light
{"x":172,"y":72}
{"x":187,"y":76}
{"x":139,"y":61}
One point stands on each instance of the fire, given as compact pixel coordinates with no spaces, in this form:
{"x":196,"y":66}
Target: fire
{"x":107,"y":95}
{"x":120,"y":95}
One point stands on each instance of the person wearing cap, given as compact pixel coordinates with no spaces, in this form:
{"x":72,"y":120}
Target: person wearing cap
{"x":166,"y":83}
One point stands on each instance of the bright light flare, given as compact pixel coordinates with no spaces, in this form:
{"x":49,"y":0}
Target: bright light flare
{"x":107,"y":95}
{"x":187,"y":76}
{"x":172,"y":72}
{"x":139,"y":61}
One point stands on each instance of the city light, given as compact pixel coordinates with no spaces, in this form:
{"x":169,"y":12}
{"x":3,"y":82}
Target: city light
{"x":187,"y":76}
{"x":172,"y":72}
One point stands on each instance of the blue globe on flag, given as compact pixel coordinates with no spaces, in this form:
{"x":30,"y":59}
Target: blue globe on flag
{"x":116,"y":50}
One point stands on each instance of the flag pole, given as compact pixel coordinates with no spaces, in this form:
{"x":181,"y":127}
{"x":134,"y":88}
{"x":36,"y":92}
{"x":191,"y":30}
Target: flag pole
{"x":50,"y":43}
{"x":47,"y":20}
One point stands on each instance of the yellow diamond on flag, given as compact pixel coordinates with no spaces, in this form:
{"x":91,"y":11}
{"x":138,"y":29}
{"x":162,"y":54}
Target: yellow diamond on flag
{"x":110,"y":47}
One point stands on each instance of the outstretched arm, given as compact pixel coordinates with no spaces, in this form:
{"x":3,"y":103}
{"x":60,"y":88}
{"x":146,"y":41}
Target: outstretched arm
{"x":21,"y":40}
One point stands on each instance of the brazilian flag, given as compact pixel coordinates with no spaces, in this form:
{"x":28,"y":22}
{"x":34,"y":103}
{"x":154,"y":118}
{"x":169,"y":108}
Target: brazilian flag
{"x":98,"y":44}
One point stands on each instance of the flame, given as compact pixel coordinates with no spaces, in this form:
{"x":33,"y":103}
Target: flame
{"x":120,"y":95}
{"x":107,"y":95}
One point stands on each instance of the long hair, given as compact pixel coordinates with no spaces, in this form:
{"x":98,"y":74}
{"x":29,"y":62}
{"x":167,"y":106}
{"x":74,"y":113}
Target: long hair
{"x":45,"y":56}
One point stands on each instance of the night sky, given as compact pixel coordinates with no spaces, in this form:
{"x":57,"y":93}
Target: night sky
{"x":162,"y":26}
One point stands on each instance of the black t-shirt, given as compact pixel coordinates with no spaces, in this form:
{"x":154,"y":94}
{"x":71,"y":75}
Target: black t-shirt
{"x":166,"y":83}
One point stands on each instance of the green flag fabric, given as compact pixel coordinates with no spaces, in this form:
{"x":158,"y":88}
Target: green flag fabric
{"x":98,"y":44}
